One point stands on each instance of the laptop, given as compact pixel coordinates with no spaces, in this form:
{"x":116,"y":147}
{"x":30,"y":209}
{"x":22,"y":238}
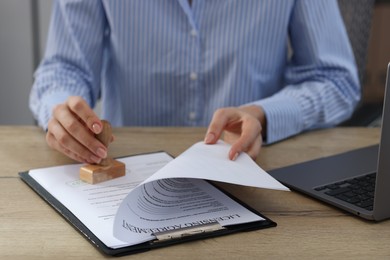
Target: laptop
{"x":356,"y":181}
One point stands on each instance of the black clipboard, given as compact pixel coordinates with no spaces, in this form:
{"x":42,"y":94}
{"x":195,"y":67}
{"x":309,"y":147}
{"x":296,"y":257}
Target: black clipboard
{"x":146,"y":246}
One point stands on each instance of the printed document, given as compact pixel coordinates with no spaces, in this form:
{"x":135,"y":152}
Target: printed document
{"x":157,"y":193}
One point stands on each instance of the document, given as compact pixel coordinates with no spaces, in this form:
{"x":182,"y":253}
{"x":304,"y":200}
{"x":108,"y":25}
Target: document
{"x":158,"y":193}
{"x":211,"y":162}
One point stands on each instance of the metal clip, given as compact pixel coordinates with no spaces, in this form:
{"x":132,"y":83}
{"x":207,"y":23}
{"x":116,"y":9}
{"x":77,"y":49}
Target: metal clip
{"x":187,"y":231}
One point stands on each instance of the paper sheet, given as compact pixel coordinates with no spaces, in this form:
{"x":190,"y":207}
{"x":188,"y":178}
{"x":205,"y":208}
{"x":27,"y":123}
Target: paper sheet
{"x":157,"y":193}
{"x":171,"y":204}
{"x":96,"y":205}
{"x":161,"y":203}
{"x":211,"y":162}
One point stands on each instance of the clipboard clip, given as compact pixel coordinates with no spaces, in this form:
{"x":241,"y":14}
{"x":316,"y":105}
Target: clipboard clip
{"x":164,"y":236}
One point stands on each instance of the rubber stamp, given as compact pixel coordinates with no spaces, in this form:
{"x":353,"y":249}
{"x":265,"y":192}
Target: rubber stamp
{"x":108,"y":168}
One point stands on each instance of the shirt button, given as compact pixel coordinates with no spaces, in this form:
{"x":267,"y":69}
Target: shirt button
{"x":192,"y":116}
{"x":194,"y":33}
{"x":193,"y":76}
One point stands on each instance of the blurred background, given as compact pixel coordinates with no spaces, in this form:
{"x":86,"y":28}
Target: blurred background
{"x":23,"y":33}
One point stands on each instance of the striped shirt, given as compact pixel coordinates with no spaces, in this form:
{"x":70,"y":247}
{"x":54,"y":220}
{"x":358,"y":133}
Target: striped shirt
{"x":166,"y":63}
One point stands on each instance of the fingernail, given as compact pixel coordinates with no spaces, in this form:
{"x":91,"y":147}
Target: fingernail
{"x":95,"y":159}
{"x":101,"y":152}
{"x":209,"y":138}
{"x":96,"y":128}
{"x":235,"y":157}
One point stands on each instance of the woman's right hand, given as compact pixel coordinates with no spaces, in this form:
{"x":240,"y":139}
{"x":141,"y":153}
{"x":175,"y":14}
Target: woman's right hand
{"x":72,"y":129}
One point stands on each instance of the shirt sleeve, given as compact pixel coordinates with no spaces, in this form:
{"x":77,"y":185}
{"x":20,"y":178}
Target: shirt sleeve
{"x":73,"y":58}
{"x":321,"y":81}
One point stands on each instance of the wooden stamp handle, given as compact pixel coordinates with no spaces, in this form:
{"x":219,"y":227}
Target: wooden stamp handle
{"x":105,"y":134}
{"x":105,"y":138}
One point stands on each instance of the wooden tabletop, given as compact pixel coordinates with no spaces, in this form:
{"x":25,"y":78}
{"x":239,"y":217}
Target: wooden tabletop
{"x":31,"y":229}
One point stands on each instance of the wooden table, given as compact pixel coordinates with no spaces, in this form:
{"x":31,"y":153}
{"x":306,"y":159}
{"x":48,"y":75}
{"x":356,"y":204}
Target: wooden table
{"x":30,"y":228}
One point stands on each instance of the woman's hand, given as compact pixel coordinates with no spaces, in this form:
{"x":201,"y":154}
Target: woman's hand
{"x":72,"y":129}
{"x":242,"y":127}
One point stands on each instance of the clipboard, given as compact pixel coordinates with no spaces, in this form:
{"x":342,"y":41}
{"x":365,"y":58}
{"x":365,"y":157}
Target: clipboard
{"x":163,"y":239}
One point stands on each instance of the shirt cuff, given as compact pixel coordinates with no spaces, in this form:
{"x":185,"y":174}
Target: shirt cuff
{"x":283,"y":115}
{"x":48,"y":102}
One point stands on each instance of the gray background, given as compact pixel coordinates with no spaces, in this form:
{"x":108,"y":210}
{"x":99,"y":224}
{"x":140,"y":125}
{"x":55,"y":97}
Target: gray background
{"x":23,"y":32}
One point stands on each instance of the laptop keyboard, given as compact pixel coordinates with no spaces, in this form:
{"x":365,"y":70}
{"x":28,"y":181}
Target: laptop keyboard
{"x":358,"y":191}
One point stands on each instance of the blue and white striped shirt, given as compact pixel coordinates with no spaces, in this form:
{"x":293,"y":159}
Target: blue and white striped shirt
{"x":166,"y":63}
